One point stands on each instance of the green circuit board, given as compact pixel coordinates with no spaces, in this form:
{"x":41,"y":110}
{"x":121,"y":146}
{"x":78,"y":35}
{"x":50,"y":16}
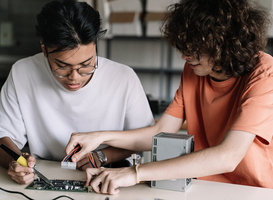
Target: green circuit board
{"x":60,"y":185}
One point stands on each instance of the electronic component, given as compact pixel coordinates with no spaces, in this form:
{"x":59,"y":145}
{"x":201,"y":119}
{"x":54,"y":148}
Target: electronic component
{"x":171,"y":145}
{"x":68,"y":165}
{"x":67,"y":162}
{"x":60,"y":185}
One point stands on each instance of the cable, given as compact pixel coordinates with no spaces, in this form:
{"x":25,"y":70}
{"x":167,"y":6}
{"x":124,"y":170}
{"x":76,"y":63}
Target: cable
{"x":15,"y":192}
{"x":71,"y":153}
{"x":63,"y":196}
{"x":92,"y":160}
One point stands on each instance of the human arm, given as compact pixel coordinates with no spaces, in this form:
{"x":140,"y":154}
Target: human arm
{"x":214,"y":160}
{"x":113,"y":155}
{"x":135,"y":140}
{"x":20,"y":174}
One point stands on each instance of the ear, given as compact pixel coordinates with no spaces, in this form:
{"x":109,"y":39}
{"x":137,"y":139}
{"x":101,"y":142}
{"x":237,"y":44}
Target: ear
{"x":43,"y":49}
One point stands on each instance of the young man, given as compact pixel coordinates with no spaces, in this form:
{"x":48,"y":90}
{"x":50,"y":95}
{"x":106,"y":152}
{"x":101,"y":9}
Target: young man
{"x":67,"y":89}
{"x":226,"y":96}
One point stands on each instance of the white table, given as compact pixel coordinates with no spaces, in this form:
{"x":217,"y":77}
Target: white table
{"x":199,"y":190}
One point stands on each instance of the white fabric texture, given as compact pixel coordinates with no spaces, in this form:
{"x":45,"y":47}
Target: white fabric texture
{"x":35,"y":107}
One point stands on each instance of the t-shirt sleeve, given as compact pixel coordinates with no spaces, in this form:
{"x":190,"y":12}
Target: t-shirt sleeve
{"x":255,"y":110}
{"x":138,"y":112}
{"x":11,"y":123}
{"x":176,"y":108}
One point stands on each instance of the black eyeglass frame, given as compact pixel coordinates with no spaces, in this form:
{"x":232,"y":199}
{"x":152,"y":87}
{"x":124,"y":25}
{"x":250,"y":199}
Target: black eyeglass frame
{"x":82,"y":74}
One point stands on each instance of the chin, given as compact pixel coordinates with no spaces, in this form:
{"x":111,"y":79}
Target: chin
{"x":200,"y":74}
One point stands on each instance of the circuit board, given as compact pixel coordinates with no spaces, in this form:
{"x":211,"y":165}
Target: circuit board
{"x":59,"y":185}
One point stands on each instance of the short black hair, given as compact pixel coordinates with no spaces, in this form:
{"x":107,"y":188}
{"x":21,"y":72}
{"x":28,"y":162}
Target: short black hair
{"x":65,"y":25}
{"x":231,"y":32}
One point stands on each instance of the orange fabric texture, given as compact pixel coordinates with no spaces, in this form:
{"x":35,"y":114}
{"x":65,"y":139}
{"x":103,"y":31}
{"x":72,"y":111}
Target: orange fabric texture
{"x":245,"y":103}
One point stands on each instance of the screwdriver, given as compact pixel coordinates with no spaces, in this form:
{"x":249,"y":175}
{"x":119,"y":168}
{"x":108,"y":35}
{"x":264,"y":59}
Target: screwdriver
{"x":22,"y":161}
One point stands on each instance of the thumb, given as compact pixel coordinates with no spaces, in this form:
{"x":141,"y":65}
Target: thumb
{"x":116,"y":191}
{"x":31,"y":161}
{"x":91,"y":173}
{"x":79,"y":155}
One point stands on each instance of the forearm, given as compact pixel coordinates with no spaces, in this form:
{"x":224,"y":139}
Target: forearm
{"x":134,"y":140}
{"x":115,"y":154}
{"x":197,"y":164}
{"x":141,"y":139}
{"x":219,"y":159}
{"x":5,"y":159}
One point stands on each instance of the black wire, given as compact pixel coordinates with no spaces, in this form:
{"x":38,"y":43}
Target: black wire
{"x":16,"y":193}
{"x":63,"y":196}
{"x":9,"y":191}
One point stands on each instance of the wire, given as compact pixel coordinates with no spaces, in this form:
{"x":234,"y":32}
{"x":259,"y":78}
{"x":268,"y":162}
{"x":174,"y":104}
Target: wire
{"x":15,"y":192}
{"x":68,"y":156}
{"x":92,"y":160}
{"x":63,"y":196}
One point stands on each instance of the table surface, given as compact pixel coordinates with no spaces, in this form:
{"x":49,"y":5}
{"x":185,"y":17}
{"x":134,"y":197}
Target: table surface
{"x":199,"y":190}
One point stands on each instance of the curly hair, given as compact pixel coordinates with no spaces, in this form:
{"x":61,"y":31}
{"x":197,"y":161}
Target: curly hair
{"x":231,"y":32}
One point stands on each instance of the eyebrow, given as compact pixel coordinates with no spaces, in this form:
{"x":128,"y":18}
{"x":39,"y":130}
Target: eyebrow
{"x":70,"y":64}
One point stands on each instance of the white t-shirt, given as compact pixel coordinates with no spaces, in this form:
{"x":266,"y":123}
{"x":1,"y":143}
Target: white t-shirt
{"x":35,"y":107}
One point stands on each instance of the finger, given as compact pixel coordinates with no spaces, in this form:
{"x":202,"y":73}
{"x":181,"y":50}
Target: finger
{"x":31,"y":161}
{"x":88,"y":177}
{"x":72,"y":143}
{"x":23,"y":178}
{"x":112,"y":188}
{"x":80,"y":154}
{"x":109,"y":185}
{"x":96,"y":182}
{"x":11,"y":165}
{"x":104,"y":183}
{"x":17,"y":168}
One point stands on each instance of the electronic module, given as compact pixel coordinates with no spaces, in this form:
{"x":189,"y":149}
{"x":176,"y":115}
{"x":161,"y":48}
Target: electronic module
{"x":171,"y":145}
{"x":60,"y":185}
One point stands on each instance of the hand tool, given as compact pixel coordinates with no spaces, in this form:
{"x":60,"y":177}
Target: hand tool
{"x":22,"y":161}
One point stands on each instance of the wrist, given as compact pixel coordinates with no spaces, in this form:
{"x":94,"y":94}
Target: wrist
{"x":137,"y":173}
{"x":107,"y":137}
{"x":100,"y":158}
{"x":97,"y":161}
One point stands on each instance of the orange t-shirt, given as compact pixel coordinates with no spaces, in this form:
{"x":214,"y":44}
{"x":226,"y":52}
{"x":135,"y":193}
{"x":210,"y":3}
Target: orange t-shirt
{"x":240,"y":103}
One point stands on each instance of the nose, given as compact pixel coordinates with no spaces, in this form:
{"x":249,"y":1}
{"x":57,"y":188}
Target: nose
{"x":74,"y":75}
{"x":186,"y":56}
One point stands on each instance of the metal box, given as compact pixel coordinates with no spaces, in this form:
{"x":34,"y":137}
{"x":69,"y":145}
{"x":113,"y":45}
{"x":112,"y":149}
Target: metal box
{"x":171,"y":145}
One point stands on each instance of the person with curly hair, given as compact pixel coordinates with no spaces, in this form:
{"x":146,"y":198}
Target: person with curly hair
{"x":225,"y":94}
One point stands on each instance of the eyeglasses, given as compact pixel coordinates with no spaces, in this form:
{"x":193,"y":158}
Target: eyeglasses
{"x":63,"y":72}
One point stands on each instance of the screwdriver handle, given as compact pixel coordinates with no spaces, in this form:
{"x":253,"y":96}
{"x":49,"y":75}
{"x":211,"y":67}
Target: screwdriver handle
{"x":22,"y":161}
{"x":19,"y":159}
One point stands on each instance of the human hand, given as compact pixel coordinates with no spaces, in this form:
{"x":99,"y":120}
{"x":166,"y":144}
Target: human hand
{"x":21,"y":174}
{"x":88,"y":142}
{"x":108,"y":180}
{"x":84,"y":163}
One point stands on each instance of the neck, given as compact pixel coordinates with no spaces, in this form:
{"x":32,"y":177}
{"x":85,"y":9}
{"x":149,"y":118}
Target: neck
{"x":220,"y":77}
